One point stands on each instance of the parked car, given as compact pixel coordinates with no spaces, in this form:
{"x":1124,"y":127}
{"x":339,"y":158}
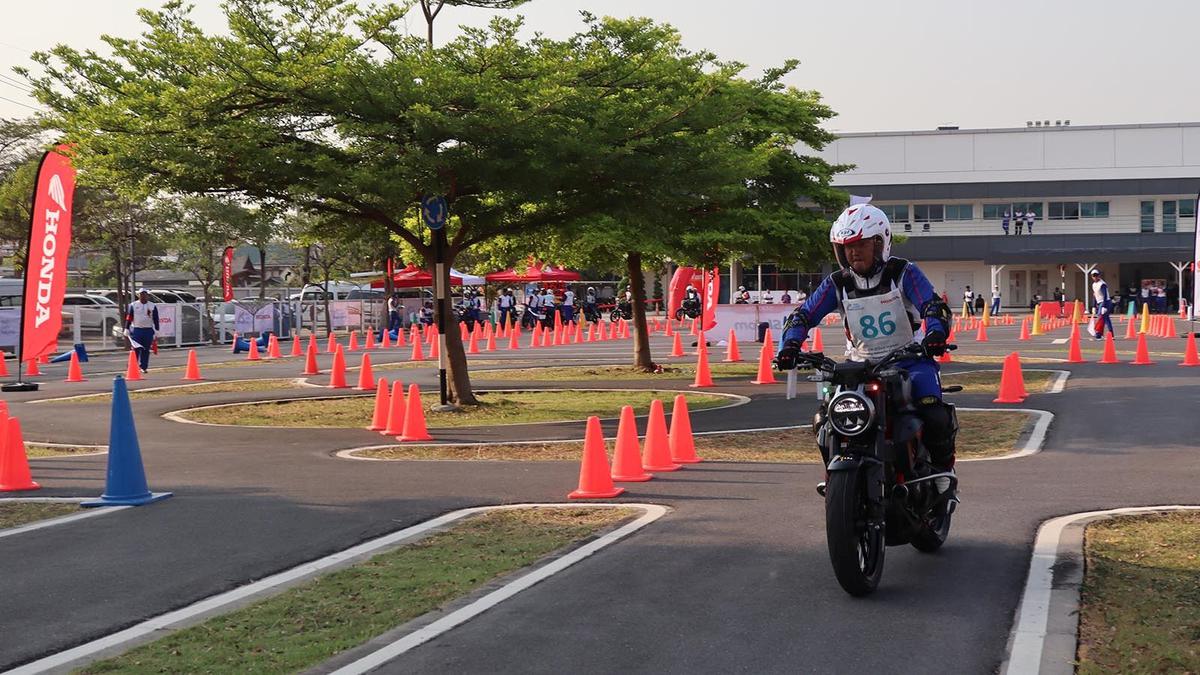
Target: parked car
{"x":97,"y":314}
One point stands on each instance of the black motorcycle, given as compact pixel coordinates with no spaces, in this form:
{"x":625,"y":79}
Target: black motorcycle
{"x":623,"y":310}
{"x":880,"y":486}
{"x":591,"y":313}
{"x":530,"y":317}
{"x":690,"y":307}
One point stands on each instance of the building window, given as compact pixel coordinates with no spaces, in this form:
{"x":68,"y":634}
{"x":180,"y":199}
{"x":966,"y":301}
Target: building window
{"x":1093,"y":209}
{"x":1169,"y":209}
{"x":960,"y":212}
{"x":997,"y":211}
{"x":1063,"y":211}
{"x":1147,"y":217}
{"x":929,"y":213}
{"x":896,"y":213}
{"x":1187,"y":208}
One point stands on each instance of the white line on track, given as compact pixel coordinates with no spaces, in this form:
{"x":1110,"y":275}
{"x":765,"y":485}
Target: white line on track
{"x":42,"y":524}
{"x":1052,"y":596}
{"x":180,"y":618}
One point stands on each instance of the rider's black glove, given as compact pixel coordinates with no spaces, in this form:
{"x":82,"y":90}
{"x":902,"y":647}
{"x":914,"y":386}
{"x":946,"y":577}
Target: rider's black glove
{"x":786,"y":359}
{"x":934,"y":343}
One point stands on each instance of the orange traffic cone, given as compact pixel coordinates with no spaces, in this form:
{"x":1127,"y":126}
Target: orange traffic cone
{"x":337,"y":374}
{"x":981,"y":334}
{"x":435,"y":348}
{"x":331,"y":345}
{"x":74,"y":372}
{"x":547,"y":336}
{"x":683,"y":444}
{"x":353,"y":346}
{"x":1131,"y":330}
{"x":133,"y":371}
{"x":1024,"y":330}
{"x":1074,"y":355}
{"x":296,"y":346}
{"x":669,"y":331}
{"x":656,"y":452}
{"x":578,"y":333}
{"x":3,"y":364}
{"x":1169,"y":322}
{"x":14,"y":462}
{"x":765,"y":374}
{"x":192,"y":372}
{"x":399,"y":338}
{"x":310,"y":360}
{"x":513,"y":345}
{"x":418,"y":353}
{"x":1012,"y":381}
{"x":703,"y":374}
{"x":627,"y":456}
{"x":1110,"y":350}
{"x":535,"y":335}
{"x":252,"y":355}
{"x":273,"y":347}
{"x":491,"y":338}
{"x":595,"y":480}
{"x":474,"y":345}
{"x":394,"y":425}
{"x":414,"y":420}
{"x":379,"y":418}
{"x":370,"y":341}
{"x":818,"y":343}
{"x":415,"y":334}
{"x":677,"y":346}
{"x":366,"y":378}
{"x":31,"y":367}
{"x":1189,"y":353}
{"x":385,"y":341}
{"x":732,"y":354}
{"x":1142,"y":357}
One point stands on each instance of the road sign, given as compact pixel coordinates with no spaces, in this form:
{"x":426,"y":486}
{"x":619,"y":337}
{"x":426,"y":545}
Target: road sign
{"x":434,"y":212}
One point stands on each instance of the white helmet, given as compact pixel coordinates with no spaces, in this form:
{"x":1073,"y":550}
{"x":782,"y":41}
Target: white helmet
{"x":861,"y":221}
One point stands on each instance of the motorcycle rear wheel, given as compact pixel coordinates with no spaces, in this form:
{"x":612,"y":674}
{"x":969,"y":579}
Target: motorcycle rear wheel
{"x":855,"y":549}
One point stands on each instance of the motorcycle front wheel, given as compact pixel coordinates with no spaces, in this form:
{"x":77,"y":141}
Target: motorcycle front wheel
{"x":855,"y":549}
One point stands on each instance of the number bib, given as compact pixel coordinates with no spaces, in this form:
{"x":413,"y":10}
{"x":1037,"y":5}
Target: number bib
{"x":878,"y":324}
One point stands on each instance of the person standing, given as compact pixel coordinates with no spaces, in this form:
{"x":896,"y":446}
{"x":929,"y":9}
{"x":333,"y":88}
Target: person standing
{"x":505,"y":303}
{"x":1061,"y":299}
{"x":1029,"y":216}
{"x":786,"y":298}
{"x":568,"y":306}
{"x":765,"y":298}
{"x":969,"y":300}
{"x":1145,"y":295}
{"x":1004,"y":222}
{"x":394,"y":313}
{"x":141,"y":325}
{"x":995,"y":300}
{"x":1019,"y":221}
{"x":1103,"y":305}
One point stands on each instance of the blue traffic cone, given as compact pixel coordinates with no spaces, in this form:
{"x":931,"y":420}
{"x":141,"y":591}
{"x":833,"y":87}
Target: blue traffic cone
{"x":126,"y":484}
{"x":81,"y":350}
{"x":263,"y":341}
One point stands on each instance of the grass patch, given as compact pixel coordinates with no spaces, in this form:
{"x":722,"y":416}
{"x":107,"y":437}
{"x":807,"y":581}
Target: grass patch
{"x":13,"y":514}
{"x":585,"y":373}
{"x":193,"y":389}
{"x":989,"y":382}
{"x":307,"y":625}
{"x":981,"y":434}
{"x":1141,"y":595}
{"x":498,"y":408}
{"x":34,"y":450}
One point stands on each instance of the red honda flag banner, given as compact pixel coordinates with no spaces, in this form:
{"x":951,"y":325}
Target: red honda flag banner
{"x":49,"y":245}
{"x":227,"y":274}
{"x":711,"y":291}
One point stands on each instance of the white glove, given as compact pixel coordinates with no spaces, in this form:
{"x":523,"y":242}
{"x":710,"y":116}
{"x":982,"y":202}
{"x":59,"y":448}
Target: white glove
{"x":1104,"y":310}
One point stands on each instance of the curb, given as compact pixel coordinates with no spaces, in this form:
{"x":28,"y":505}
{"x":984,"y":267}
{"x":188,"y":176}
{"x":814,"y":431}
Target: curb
{"x":61,"y":520}
{"x":1045,"y":633}
{"x":162,"y":625}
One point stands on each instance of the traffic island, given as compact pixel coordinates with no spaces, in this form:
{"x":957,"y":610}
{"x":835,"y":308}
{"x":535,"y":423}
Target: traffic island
{"x":308,"y":624}
{"x":496,"y":407}
{"x":982,"y":434}
{"x":1140,"y":599}
{"x":18,"y":513}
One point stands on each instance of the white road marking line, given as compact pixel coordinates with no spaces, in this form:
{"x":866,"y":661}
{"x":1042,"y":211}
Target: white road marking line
{"x":179,"y":618}
{"x":1059,"y":341}
{"x":1060,"y":382}
{"x":1028,"y":637}
{"x":1033,"y":444}
{"x":63,"y":520}
{"x":444,"y":624}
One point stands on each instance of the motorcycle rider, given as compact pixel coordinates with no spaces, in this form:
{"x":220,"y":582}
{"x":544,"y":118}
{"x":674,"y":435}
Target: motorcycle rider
{"x":568,"y":306}
{"x":1104,"y":305}
{"x":690,"y":305}
{"x":742,"y":297}
{"x":589,"y":304}
{"x":873,"y":291}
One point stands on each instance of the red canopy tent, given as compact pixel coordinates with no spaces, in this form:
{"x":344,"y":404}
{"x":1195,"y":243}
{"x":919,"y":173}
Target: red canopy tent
{"x":533,"y":274}
{"x":414,"y":277}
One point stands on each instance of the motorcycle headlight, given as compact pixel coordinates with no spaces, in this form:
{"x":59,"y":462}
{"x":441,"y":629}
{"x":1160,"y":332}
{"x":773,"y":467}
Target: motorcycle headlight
{"x":850,"y":413}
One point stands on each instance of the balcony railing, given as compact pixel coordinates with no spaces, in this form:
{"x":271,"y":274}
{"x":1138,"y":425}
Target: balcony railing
{"x":1112,"y":225}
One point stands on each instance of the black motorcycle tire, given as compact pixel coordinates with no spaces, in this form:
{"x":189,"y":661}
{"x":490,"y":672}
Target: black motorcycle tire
{"x":933,"y":534}
{"x":679,"y":314}
{"x":855,"y":550}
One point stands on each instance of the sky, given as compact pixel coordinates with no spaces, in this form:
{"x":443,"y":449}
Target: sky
{"x":881,"y":65}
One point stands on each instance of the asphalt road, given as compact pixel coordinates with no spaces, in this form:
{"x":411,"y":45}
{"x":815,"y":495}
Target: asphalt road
{"x":736,"y":578}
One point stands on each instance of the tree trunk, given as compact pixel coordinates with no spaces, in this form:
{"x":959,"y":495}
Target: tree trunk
{"x":262,"y":273}
{"x":642,"y":359}
{"x":325,"y":300}
{"x":458,"y":378}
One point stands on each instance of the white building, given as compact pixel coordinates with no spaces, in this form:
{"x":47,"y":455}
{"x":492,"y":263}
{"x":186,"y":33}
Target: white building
{"x":1120,"y":197}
